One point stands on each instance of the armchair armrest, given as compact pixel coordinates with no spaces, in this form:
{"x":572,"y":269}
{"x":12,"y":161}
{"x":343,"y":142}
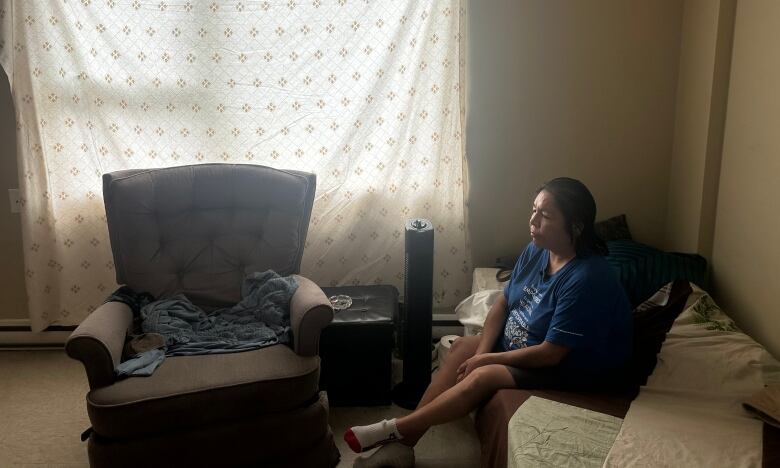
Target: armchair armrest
{"x":99,"y":340}
{"x":310,"y":312}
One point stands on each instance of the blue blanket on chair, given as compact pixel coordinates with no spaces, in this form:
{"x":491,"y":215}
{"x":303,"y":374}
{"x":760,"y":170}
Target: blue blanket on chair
{"x":261,"y":318}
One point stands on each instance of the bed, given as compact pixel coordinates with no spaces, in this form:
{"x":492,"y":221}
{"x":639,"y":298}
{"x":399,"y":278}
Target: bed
{"x":675,"y":330}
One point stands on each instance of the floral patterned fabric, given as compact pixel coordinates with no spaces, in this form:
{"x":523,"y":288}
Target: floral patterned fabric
{"x":366,"y":94}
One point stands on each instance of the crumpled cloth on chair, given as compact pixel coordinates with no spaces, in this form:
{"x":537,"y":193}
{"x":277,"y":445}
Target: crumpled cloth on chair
{"x":175,"y":326}
{"x":144,"y":342}
{"x":141,"y":365}
{"x":146,"y":351}
{"x":260,"y":319}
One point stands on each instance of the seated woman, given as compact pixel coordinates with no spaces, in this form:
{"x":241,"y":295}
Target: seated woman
{"x":563,"y":322}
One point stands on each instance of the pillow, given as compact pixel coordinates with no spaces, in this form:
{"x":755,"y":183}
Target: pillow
{"x":614,"y":228}
{"x":472,"y":311}
{"x":652,"y":320}
{"x":642,"y":269}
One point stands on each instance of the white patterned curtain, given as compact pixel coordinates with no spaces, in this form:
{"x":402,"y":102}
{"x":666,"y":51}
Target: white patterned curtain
{"x":366,"y":94}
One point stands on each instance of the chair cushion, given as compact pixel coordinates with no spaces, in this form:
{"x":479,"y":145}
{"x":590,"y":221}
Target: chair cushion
{"x":192,"y":391}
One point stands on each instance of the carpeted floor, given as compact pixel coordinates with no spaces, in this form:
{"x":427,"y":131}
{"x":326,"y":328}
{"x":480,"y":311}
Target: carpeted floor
{"x":42,"y":415}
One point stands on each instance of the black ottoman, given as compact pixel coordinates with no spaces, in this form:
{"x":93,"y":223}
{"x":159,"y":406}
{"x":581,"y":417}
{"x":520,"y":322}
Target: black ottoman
{"x":356,"y":348}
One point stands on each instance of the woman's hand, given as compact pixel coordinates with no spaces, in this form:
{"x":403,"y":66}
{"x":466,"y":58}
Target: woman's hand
{"x":473,"y":362}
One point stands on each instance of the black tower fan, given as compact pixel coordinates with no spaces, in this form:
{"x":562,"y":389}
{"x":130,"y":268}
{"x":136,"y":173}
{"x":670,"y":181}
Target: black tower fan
{"x":416,"y":320}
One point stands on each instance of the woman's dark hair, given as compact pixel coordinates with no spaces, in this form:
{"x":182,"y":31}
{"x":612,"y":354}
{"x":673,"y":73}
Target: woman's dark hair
{"x":579,"y":213}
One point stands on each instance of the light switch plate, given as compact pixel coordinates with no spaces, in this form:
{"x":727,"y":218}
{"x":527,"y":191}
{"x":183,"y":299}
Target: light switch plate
{"x":13,"y":198}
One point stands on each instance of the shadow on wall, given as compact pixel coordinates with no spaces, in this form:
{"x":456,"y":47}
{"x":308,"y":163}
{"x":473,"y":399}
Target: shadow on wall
{"x":13,"y":300}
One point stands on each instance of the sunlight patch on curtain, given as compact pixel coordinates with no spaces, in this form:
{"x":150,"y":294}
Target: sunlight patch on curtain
{"x":366,"y":94}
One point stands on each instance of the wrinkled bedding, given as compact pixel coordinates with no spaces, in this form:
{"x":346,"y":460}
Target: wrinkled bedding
{"x":547,"y":433}
{"x":690,"y":412}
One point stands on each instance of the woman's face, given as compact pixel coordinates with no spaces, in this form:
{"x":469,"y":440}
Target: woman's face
{"x":547,"y":224}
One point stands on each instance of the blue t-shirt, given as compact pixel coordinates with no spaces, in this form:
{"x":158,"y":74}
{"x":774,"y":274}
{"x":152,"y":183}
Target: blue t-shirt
{"x":582,"y":307}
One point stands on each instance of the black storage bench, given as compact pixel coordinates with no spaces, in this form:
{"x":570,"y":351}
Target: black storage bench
{"x":356,"y":348}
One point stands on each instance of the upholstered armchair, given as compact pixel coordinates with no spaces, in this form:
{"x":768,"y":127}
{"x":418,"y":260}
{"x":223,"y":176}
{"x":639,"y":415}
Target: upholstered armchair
{"x":198,"y":230}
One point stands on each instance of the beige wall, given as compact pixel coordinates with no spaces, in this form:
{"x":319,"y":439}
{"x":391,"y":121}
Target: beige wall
{"x":705,"y":56}
{"x":694,"y":93}
{"x":562,"y":88}
{"x":13,"y":299}
{"x":746,"y":251}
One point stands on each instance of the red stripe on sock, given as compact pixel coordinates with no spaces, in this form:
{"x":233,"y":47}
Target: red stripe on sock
{"x":351,"y":440}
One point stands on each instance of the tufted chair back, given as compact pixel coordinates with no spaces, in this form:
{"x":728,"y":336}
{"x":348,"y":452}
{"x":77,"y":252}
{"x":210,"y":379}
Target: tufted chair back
{"x":198,"y":229}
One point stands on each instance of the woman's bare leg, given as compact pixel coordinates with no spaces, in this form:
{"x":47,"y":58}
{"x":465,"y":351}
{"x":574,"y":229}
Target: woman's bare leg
{"x":462,"y":349}
{"x":454,"y":402}
{"x":359,"y":438}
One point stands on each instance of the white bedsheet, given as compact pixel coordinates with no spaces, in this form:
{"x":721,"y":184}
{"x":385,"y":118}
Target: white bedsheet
{"x":690,"y":413}
{"x":545,"y":433}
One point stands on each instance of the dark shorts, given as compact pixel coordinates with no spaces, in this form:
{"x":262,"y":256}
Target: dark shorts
{"x":557,"y":378}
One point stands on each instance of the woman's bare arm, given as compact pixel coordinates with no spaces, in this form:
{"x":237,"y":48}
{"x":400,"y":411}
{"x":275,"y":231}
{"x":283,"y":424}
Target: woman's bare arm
{"x":494,"y":325}
{"x":545,"y":354}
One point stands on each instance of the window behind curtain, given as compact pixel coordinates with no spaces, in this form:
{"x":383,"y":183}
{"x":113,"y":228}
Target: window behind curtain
{"x":366,"y":94}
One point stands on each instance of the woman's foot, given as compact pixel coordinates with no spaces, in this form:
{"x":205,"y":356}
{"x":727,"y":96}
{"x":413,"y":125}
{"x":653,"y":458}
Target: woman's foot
{"x":388,"y":456}
{"x":362,"y":438}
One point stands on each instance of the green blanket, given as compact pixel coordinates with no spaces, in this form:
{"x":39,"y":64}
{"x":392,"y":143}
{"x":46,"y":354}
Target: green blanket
{"x":547,"y":433}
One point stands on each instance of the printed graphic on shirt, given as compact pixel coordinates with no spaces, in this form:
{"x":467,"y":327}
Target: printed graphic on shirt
{"x":530,"y":299}
{"x":516,"y":329}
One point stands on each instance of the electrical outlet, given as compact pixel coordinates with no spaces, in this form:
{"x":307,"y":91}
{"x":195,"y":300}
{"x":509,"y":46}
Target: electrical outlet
{"x":13,"y":198}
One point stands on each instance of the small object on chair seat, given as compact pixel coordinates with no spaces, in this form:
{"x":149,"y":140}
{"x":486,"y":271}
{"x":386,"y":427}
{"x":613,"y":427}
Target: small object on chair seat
{"x":143,"y":343}
{"x":142,"y":364}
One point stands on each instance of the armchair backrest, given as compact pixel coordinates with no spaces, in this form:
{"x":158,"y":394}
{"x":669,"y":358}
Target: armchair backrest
{"x":198,"y":229}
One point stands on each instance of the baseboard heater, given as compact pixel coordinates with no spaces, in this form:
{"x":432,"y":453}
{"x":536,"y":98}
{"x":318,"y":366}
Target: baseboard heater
{"x":17,"y":334}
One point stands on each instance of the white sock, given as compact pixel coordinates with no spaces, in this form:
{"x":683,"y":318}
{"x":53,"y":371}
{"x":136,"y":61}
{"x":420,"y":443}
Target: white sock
{"x":362,"y":438}
{"x":388,"y":456}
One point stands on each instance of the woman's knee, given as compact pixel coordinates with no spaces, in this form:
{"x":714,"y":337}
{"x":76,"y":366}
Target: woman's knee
{"x":465,"y":345}
{"x":487,"y":379}
{"x":462,"y":349}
